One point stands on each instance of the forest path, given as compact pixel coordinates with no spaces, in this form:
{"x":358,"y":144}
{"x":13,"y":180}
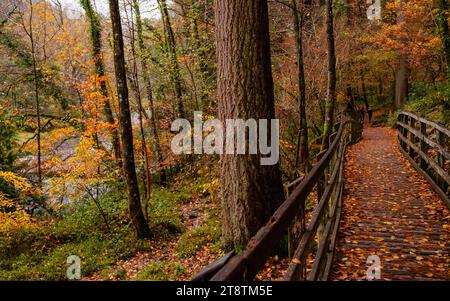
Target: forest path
{"x":391,"y":211}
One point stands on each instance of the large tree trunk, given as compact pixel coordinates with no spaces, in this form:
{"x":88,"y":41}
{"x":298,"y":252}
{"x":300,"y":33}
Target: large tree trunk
{"x":96,"y":51}
{"x":402,"y":72}
{"x":172,"y":48}
{"x":250,"y":192}
{"x":331,"y":89}
{"x":136,"y":214}
{"x":303,"y":150}
{"x":156,"y":143}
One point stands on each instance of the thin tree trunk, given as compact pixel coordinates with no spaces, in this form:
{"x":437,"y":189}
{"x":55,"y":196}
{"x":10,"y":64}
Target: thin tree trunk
{"x":401,"y":74}
{"x":144,"y":151}
{"x":380,"y":88}
{"x":442,"y":20}
{"x":331,"y":89}
{"x":303,"y":150}
{"x":136,"y":86}
{"x":149,"y":92}
{"x":96,"y":51}
{"x":30,"y":34}
{"x":136,"y":214}
{"x":364,"y":91}
{"x":172,"y":48}
{"x":298,"y":226}
{"x":198,"y":106}
{"x":202,"y":67}
{"x":250,"y":192}
{"x":401,"y":82}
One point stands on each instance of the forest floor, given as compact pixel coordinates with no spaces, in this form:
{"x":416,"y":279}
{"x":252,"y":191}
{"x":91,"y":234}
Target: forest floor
{"x":180,"y":255}
{"x":390,"y":211}
{"x":162,"y":259}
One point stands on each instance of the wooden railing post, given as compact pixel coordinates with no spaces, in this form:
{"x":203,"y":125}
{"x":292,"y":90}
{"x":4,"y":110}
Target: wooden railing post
{"x":404,"y":132}
{"x":400,"y":128}
{"x":321,"y":180}
{"x":412,"y":137}
{"x":440,"y":141}
{"x":423,"y":145}
{"x":296,"y":230}
{"x":321,"y":185}
{"x":440,"y":159}
{"x":336,"y":158}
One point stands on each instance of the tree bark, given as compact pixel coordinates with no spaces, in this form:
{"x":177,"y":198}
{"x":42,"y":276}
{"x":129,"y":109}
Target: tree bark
{"x":202,"y":65}
{"x":172,"y":48}
{"x":442,"y":19}
{"x":36,"y":95}
{"x":156,"y":143}
{"x":135,"y":85}
{"x":250,"y":192}
{"x":331,"y":88}
{"x":136,"y":214}
{"x":402,"y":73}
{"x":401,"y":82}
{"x":444,"y":32}
{"x":364,"y":92}
{"x":303,"y":150}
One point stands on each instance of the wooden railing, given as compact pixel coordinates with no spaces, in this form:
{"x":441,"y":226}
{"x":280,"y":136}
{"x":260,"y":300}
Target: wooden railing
{"x":426,"y":144}
{"x":312,"y":239}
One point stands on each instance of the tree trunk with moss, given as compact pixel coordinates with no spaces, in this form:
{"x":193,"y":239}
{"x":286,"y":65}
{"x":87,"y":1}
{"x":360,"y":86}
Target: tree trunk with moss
{"x":175,"y":73}
{"x":95,"y":32}
{"x":202,"y":65}
{"x":442,"y":13}
{"x":30,"y":34}
{"x":136,"y":87}
{"x":128,"y":161}
{"x":331,"y":88}
{"x":156,"y":143}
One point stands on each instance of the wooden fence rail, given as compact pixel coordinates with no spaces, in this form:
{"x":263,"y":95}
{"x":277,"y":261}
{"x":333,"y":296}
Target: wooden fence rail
{"x":314,"y":239}
{"x":426,"y":144}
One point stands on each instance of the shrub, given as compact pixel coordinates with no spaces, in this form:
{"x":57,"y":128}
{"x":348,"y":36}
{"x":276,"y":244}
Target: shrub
{"x":430,"y":101}
{"x":162,"y":271}
{"x":165,"y":216}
